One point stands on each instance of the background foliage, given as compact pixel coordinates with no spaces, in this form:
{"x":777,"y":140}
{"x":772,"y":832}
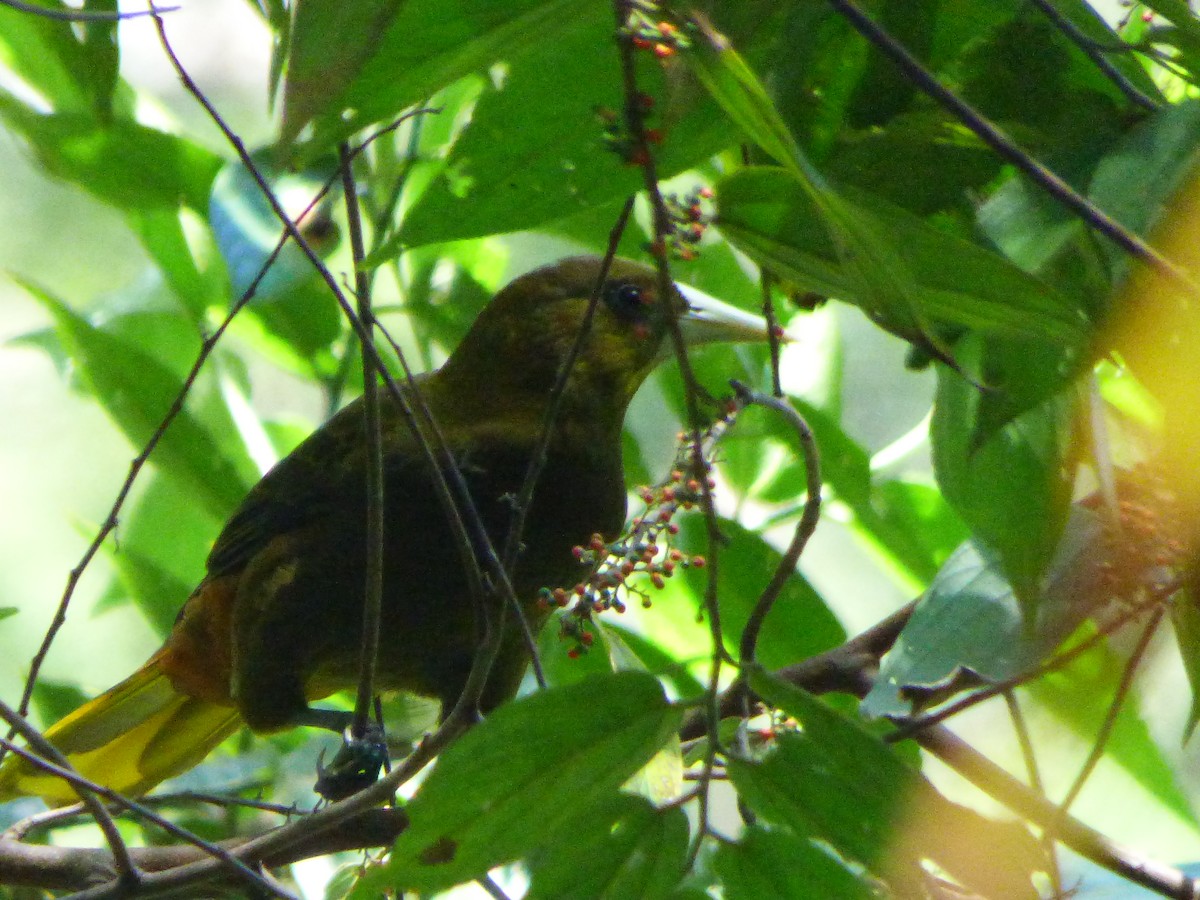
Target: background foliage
{"x":1030,"y":479}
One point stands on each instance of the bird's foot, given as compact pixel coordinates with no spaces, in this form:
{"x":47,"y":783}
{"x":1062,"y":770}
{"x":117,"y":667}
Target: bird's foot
{"x":356,"y":765}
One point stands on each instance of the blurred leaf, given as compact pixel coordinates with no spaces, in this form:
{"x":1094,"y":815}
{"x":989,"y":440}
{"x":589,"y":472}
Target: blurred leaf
{"x":101,"y":57}
{"x":247,"y":230}
{"x":128,"y":165}
{"x":291,"y":300}
{"x":137,"y":390}
{"x":154,"y":590}
{"x":55,"y":699}
{"x":47,"y":56}
{"x":970,"y":629}
{"x":329,"y":43}
{"x":841,"y":784}
{"x":633,"y":850}
{"x":777,"y":863}
{"x":164,"y":540}
{"x":1141,"y":172}
{"x":162,"y":234}
{"x":1012,"y":483}
{"x":1185,"y":617}
{"x":549,"y":758}
{"x":455,"y":40}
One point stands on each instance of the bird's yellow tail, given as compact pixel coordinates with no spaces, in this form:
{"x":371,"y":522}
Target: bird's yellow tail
{"x":129,"y":739}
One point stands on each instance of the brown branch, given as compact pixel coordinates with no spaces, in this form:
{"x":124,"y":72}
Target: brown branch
{"x":1024,"y":800}
{"x":130,"y":878}
{"x":74,"y":868}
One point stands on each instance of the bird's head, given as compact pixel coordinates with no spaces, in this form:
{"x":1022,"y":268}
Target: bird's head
{"x":524,"y":336}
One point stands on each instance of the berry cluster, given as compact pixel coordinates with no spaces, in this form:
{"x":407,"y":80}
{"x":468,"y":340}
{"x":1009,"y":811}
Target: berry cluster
{"x":690,"y":218}
{"x":617,"y":137}
{"x":1150,"y":539}
{"x":661,"y":38}
{"x":642,"y":559}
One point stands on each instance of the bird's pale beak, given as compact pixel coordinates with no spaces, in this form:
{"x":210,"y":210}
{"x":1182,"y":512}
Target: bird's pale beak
{"x":712,"y":321}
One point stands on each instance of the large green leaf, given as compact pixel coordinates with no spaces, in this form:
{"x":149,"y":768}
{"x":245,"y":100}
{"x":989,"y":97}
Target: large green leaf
{"x":129,"y":165}
{"x":1011,"y":482}
{"x":530,"y":770}
{"x":777,"y":863}
{"x":70,"y":74}
{"x":329,"y":43}
{"x":839,"y":783}
{"x":633,"y":850}
{"x":204,"y":452}
{"x":432,"y":43}
{"x":770,"y":215}
{"x":799,"y":624}
{"x":969,"y":627}
{"x":514,"y":168}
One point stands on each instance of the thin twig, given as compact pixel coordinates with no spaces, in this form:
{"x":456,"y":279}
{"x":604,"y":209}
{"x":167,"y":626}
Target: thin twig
{"x":1006,"y":147}
{"x":1127,"y":615}
{"x":766,"y":280}
{"x":1114,"y":708}
{"x":804,"y":528}
{"x":1096,"y":55}
{"x":660,"y":217}
{"x":374,"y":486}
{"x":83,"y":15}
{"x":1034,"y":775}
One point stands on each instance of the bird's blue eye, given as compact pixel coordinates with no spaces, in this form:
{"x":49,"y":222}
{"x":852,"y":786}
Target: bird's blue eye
{"x":625,"y":298}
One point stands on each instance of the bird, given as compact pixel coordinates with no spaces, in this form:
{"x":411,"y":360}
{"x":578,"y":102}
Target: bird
{"x":276,"y":621}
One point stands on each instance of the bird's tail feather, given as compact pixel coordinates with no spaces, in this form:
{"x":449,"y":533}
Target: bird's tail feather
{"x":131,"y":737}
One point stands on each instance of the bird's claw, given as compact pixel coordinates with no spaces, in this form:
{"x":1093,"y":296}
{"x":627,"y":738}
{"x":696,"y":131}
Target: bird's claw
{"x":356,"y":765}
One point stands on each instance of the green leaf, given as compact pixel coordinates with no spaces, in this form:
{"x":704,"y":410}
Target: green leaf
{"x":136,"y":390}
{"x":632,"y":850}
{"x":101,"y":57}
{"x":777,"y":863}
{"x":532,"y":769}
{"x":1185,"y":617}
{"x":772,"y":217}
{"x":969,"y":627}
{"x":165,"y":538}
{"x":1011,"y":483}
{"x":456,"y":39}
{"x":329,"y":43}
{"x":47,"y":56}
{"x":557,"y":165}
{"x":128,"y":165}
{"x":740,"y":93}
{"x":838,"y":782}
{"x":162,"y":234}
{"x":799,"y":625}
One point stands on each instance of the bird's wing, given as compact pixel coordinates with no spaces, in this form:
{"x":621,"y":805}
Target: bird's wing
{"x":307,"y":485}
